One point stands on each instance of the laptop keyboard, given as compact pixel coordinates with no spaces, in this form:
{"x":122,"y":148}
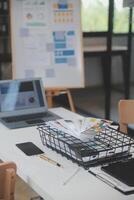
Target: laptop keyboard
{"x":27,"y":117}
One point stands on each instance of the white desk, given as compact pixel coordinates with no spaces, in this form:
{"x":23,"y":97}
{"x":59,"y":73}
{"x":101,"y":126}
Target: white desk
{"x":48,"y":180}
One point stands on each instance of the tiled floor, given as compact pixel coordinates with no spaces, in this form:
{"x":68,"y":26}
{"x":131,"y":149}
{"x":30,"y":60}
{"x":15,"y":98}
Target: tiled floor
{"x":23,"y":191}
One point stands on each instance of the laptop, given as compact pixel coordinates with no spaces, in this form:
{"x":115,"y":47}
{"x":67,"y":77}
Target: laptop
{"x":23,"y":103}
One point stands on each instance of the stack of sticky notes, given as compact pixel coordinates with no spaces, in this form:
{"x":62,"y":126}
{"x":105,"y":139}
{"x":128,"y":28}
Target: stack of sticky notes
{"x":80,"y":127}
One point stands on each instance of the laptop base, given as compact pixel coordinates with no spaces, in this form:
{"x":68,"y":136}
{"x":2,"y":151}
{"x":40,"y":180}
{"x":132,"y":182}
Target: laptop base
{"x":27,"y":120}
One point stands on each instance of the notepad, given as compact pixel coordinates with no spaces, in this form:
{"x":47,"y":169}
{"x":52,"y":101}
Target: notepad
{"x":123,"y":171}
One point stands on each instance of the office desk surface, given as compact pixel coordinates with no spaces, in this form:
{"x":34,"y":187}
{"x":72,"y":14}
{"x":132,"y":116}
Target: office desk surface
{"x":47,"y":179}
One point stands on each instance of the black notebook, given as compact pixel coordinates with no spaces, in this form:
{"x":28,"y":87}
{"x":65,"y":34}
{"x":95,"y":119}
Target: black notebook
{"x":123,"y":171}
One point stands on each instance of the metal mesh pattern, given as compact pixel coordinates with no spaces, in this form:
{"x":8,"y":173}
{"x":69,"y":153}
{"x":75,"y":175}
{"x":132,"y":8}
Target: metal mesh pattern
{"x":108,"y":145}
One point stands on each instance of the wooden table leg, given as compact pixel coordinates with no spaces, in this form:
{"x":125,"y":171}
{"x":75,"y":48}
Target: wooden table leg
{"x":49,"y":98}
{"x":50,"y":93}
{"x":70,"y":99}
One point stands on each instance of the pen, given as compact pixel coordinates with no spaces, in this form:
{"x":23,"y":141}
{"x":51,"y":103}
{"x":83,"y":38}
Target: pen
{"x":44,"y":157}
{"x":104,"y":180}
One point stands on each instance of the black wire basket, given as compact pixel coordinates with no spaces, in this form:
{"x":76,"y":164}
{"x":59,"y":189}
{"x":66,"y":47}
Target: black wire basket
{"x":108,"y":145}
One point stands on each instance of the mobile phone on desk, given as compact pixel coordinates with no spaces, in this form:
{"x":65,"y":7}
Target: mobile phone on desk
{"x":29,"y":148}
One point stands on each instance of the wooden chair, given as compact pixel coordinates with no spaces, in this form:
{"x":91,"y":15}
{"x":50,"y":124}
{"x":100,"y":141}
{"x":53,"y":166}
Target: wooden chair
{"x":7,"y":180}
{"x":126,"y":114}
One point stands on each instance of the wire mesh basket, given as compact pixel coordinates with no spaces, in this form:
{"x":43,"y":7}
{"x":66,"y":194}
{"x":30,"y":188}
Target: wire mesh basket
{"x":109,"y":145}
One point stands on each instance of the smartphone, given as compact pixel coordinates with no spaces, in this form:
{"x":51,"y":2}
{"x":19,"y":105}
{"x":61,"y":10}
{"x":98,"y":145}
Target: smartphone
{"x":29,"y":148}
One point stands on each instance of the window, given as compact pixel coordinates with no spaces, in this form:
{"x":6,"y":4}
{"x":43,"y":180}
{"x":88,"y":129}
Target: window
{"x":95,"y":16}
{"x":121,"y":17}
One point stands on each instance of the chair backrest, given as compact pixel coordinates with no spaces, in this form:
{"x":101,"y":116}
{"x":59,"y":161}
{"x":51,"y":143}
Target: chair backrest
{"x":7,"y":180}
{"x":126,"y":114}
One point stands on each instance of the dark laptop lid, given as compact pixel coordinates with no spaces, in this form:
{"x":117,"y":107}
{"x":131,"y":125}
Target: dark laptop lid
{"x":19,"y":97}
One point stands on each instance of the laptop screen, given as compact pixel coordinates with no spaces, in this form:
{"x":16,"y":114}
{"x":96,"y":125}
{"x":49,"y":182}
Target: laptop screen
{"x":18,"y":96}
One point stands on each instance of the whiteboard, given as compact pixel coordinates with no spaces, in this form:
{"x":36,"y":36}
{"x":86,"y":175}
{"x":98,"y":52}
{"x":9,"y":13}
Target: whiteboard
{"x":47,"y":41}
